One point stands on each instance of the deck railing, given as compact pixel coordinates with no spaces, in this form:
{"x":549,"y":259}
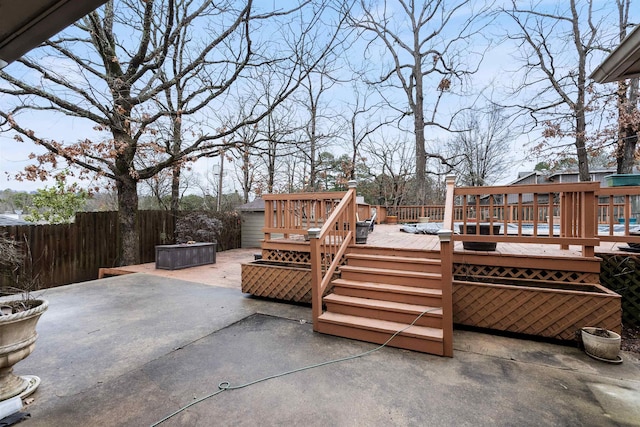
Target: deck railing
{"x":620,"y":212}
{"x":621,"y":205}
{"x":295,"y":213}
{"x":527,"y":214}
{"x":328,"y":245}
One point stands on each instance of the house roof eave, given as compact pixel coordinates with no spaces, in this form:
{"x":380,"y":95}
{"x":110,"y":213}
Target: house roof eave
{"x":24,"y":25}
{"x":623,"y":62}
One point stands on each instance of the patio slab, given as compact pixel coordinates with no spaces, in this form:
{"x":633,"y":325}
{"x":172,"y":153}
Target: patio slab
{"x":131,"y":349}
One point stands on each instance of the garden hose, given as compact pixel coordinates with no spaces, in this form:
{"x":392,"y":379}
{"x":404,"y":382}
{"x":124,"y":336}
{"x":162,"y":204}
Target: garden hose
{"x":226,"y":385}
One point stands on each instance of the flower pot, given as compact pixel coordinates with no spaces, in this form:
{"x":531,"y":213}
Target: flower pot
{"x":17,"y":341}
{"x":484,"y":230}
{"x":362,"y":232}
{"x":601,"y":343}
{"x":392,"y":219}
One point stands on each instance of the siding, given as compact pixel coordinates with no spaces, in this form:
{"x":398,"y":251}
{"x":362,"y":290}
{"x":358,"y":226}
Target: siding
{"x":252,"y":223}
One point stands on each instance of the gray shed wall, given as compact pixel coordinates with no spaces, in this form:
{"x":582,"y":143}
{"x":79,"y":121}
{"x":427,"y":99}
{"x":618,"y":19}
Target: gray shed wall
{"x":252,"y":224}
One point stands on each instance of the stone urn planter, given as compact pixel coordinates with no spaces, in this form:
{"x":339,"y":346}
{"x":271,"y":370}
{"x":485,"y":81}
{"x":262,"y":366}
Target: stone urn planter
{"x":17,"y":340}
{"x":601,"y":344}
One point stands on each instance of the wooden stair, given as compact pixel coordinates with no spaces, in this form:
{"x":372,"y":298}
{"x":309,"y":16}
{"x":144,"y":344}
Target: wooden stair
{"x":379,"y":295}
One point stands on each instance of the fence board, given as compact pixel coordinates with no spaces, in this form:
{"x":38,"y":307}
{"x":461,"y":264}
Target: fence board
{"x":71,"y":253}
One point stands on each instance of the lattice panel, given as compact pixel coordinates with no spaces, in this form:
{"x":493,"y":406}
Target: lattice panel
{"x":621,"y":274}
{"x":549,"y":314}
{"x":286,"y":256}
{"x":283,"y":283}
{"x":467,"y":271}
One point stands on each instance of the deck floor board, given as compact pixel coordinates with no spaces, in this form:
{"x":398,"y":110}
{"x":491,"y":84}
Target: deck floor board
{"x":390,"y":236}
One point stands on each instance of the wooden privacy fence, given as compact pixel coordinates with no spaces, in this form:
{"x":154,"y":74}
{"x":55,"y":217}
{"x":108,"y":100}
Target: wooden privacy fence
{"x":70,"y":253}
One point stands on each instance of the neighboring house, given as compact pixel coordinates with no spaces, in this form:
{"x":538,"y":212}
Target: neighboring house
{"x":564,"y":177}
{"x":7,"y":220}
{"x":537,"y":177}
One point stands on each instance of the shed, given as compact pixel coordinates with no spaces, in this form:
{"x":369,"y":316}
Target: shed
{"x":252,"y":216}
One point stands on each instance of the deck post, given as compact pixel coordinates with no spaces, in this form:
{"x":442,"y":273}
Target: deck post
{"x":316,"y":275}
{"x":447,"y":221}
{"x":446,"y":262}
{"x":589,"y":221}
{"x":352,"y":215}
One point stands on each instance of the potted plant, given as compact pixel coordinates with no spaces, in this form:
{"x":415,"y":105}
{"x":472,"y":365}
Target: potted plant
{"x":601,"y":344}
{"x":18,"y":318}
{"x":486,"y":229}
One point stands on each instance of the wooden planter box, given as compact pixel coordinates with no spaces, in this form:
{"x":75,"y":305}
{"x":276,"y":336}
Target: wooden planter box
{"x":546,"y":310}
{"x":279,"y":280}
{"x":175,"y":257}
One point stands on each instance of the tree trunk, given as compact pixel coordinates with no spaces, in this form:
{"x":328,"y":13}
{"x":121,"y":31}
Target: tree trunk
{"x":175,"y":190}
{"x":627,"y":132}
{"x":421,"y":154}
{"x":129,"y":249}
{"x":581,"y":150}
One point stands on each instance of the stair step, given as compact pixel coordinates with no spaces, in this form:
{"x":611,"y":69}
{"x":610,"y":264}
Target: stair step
{"x":390,"y":276}
{"x":404,"y":263}
{"x":411,"y":253}
{"x":418,"y":338}
{"x":385,"y":310}
{"x":388,"y":292}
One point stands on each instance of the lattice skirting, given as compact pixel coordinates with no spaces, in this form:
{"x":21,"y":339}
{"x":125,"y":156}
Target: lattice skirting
{"x":621,"y":273}
{"x":468,"y":271}
{"x":552,"y":313}
{"x":286,"y":256}
{"x":280,"y":282}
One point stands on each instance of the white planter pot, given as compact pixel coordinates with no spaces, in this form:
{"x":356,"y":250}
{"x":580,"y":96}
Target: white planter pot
{"x":601,"y":347}
{"x":17,"y":340}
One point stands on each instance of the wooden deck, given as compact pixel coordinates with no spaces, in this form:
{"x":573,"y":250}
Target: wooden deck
{"x":390,"y":236}
{"x":529,"y":288}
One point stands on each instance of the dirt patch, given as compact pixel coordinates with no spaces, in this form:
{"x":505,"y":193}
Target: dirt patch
{"x":631,"y":339}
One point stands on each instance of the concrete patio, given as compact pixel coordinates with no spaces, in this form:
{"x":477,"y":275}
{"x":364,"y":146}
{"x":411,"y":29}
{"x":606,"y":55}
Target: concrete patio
{"x":129,"y":350}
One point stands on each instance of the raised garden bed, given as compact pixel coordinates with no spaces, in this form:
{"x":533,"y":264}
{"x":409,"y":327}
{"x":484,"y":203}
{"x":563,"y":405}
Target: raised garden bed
{"x":175,"y":257}
{"x":278,"y":280}
{"x":552,"y":310}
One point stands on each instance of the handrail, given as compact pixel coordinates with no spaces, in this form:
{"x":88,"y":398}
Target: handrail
{"x":328,"y":245}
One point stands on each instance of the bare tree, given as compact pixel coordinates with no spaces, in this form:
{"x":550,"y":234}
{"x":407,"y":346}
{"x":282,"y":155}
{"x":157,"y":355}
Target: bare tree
{"x":555,"y":43}
{"x":363,"y":123}
{"x":320,"y":127}
{"x":481,"y":149}
{"x":423,"y":41}
{"x":395,"y":166}
{"x":119,"y":60}
{"x":628,"y":97}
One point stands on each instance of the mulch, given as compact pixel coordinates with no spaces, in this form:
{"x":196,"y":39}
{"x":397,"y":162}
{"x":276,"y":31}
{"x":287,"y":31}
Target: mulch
{"x":630,"y":339}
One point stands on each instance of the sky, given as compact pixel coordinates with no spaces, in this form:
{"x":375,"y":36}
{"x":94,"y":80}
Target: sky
{"x":499,"y":59}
